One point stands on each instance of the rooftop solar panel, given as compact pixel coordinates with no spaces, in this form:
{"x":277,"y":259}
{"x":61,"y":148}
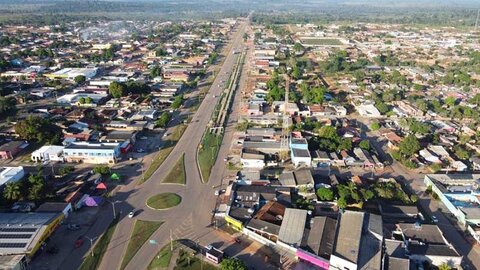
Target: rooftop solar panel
{"x":13,"y":245}
{"x":15,"y":236}
{"x":10,"y":229}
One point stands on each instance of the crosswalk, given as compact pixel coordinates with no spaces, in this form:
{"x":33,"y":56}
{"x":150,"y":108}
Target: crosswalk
{"x":185,"y":229}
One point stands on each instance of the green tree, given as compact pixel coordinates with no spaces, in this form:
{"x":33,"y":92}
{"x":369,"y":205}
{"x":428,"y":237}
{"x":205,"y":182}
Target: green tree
{"x":345,"y":144}
{"x":88,"y":100}
{"x":409,"y":146}
{"x":342,"y":203}
{"x":435,"y":167}
{"x":38,"y":129}
{"x":36,"y":189}
{"x":103,"y":170}
{"x":382,"y":107}
{"x":325,"y":194}
{"x":375,"y":126}
{"x":12,"y":191}
{"x":80,"y":79}
{"x":81,"y":100}
{"x":444,"y":266}
{"x":117,"y":89}
{"x":450,"y":101}
{"x":65,"y":170}
{"x":163,"y":120}
{"x":177,"y":102}
{"x":461,"y":153}
{"x":413,"y":198}
{"x":298,"y":47}
{"x":297,"y":73}
{"x":365,"y":145}
{"x":232,"y":264}
{"x":366,"y":194}
{"x":7,"y":106}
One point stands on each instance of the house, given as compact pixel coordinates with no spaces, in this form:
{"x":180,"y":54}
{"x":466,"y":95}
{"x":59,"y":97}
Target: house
{"x":320,"y":159}
{"x":364,"y":157}
{"x":11,"y":174}
{"x":429,"y":156}
{"x":95,"y":153}
{"x":301,"y":157}
{"x":252,"y":159}
{"x":127,"y":138}
{"x":48,"y":153}
{"x":304,"y":178}
{"x":426,"y":243}
{"x":358,"y":242}
{"x":475,"y":163}
{"x":11,"y":149}
{"x":368,"y":110}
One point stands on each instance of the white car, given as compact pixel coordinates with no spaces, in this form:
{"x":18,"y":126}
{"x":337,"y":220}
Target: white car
{"x":140,"y":150}
{"x":434,"y":219}
{"x":131,"y":214}
{"x":165,"y":135}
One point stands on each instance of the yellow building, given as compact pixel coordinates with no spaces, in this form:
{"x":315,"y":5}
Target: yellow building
{"x":24,"y":233}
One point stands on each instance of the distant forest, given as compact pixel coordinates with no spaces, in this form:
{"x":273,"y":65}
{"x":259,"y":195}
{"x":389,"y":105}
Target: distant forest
{"x":458,"y":13}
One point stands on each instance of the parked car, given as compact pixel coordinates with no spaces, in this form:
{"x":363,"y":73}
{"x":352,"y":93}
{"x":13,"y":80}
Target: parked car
{"x":434,"y":219}
{"x":140,"y":150}
{"x":131,"y":214}
{"x":73,"y":227}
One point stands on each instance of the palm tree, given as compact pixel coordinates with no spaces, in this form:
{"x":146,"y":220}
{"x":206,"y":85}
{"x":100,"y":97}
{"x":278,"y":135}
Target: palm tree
{"x":12,"y":191}
{"x":444,"y":266}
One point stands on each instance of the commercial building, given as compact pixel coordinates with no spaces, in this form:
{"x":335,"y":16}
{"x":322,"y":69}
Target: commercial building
{"x":11,"y":174}
{"x":24,"y":233}
{"x":94,"y":153}
{"x":358,"y":243}
{"x":71,"y":73}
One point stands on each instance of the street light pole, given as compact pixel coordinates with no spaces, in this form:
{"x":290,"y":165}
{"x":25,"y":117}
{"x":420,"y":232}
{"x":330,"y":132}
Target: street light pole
{"x":91,"y":243}
{"x":113,"y":208}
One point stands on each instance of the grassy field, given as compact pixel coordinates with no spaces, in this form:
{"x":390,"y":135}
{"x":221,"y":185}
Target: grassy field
{"x":141,"y":233}
{"x":322,"y":41}
{"x":177,"y":173}
{"x":164,"y":201}
{"x":99,"y":248}
{"x":208,"y":154}
{"x":164,"y":152}
{"x":187,"y":262}
{"x":162,"y":260}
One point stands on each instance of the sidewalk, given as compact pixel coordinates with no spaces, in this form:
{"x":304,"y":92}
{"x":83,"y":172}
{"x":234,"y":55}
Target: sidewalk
{"x":174,"y":258}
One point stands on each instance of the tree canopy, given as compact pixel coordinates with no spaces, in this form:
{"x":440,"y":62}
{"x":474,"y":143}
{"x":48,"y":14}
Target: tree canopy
{"x":38,"y":129}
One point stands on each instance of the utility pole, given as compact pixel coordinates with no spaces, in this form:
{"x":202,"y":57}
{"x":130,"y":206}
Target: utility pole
{"x":284,"y":141}
{"x":476,"y":21}
{"x":91,"y":242}
{"x":171,"y":240}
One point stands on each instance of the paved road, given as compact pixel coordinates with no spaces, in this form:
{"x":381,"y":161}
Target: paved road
{"x":192,"y":218}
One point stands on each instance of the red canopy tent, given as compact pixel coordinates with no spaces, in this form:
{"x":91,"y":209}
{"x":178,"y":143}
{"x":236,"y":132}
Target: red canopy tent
{"x":101,"y":186}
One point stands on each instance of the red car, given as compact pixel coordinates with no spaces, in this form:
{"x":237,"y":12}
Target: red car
{"x":79,"y":242}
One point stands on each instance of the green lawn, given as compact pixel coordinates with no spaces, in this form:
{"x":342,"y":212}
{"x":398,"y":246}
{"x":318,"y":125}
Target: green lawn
{"x":99,"y":249}
{"x":164,"y":201}
{"x":207,"y":154}
{"x":322,"y":41}
{"x":164,"y":152}
{"x":177,"y":173}
{"x":162,"y":260}
{"x":195,"y":263}
{"x":141,"y":233}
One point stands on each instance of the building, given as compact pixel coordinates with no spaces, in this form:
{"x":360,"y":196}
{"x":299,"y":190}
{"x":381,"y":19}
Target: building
{"x":47,"y":153}
{"x":358,"y":242}
{"x":71,"y":73}
{"x":318,"y":246}
{"x":11,"y":174}
{"x":426,"y":243}
{"x":94,"y":153}
{"x":292,"y":228}
{"x":11,"y":149}
{"x":460,"y":194}
{"x":24,"y":233}
{"x":252,"y":159}
{"x":13,"y":262}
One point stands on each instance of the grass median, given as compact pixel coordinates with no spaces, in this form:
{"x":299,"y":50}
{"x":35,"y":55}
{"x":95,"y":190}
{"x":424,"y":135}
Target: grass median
{"x":162,"y":260}
{"x":141,"y":233}
{"x":207,"y":154}
{"x":93,"y":262}
{"x":177,"y":174}
{"x":164,"y":152}
{"x":164,"y":201}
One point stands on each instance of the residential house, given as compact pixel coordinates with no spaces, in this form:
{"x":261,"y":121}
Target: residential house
{"x":11,"y":149}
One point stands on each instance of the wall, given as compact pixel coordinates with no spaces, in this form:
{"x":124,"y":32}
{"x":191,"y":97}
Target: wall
{"x":258,"y":238}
